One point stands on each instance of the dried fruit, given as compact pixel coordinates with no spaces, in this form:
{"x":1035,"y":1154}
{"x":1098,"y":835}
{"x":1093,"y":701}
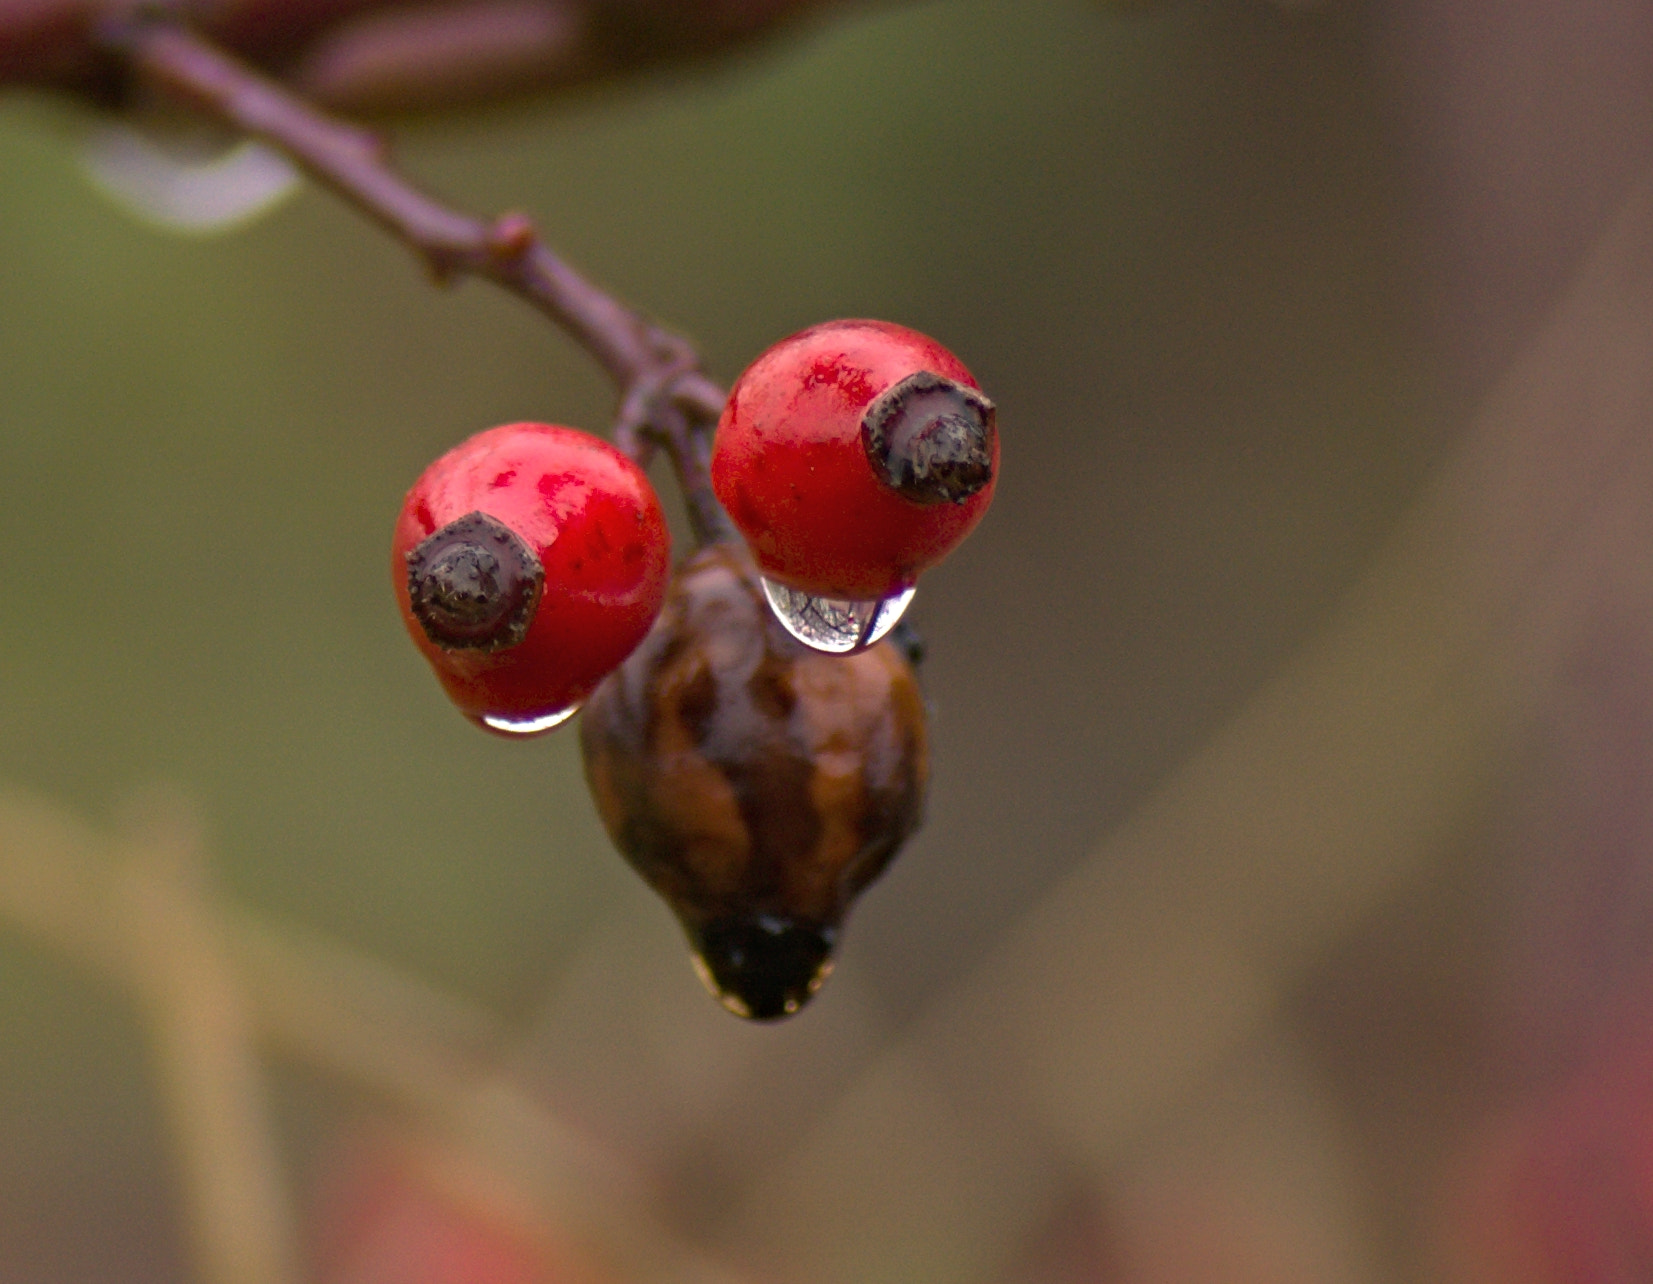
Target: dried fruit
{"x":755,"y":784}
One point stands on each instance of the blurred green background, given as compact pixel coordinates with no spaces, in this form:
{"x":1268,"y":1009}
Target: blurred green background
{"x":1182,"y":249}
{"x":1161,"y":240}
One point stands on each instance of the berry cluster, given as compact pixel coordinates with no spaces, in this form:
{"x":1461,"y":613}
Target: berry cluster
{"x":756,"y":783}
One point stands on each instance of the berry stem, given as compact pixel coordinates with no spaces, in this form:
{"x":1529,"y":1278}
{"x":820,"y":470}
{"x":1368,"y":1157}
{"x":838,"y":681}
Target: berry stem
{"x":665,"y":400}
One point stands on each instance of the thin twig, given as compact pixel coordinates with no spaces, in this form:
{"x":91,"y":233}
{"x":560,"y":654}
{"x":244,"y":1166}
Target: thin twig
{"x":665,"y":400}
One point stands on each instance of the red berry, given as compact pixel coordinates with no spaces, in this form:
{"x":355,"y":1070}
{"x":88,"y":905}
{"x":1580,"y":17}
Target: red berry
{"x":529,"y":561}
{"x":854,"y":455}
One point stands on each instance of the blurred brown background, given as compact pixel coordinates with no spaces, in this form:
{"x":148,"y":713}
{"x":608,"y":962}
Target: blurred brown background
{"x":1285,"y":907}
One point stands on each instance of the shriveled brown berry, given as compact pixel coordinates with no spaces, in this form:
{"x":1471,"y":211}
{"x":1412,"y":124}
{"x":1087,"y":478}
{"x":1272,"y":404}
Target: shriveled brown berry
{"x":757,"y":785}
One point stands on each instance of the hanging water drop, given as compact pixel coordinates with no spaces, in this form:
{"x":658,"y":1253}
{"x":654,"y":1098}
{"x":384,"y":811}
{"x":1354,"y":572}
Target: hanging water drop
{"x":532,"y":726}
{"x":763,"y":966}
{"x":836,"y":625}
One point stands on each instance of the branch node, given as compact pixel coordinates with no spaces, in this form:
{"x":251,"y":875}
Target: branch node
{"x":698,"y":397}
{"x":373,"y":146}
{"x":511,"y":236}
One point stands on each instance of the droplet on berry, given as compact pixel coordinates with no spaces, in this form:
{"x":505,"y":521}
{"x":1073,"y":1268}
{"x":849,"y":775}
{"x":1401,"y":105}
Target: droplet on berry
{"x":761,"y":966}
{"x":528,"y":726}
{"x":837,"y":626}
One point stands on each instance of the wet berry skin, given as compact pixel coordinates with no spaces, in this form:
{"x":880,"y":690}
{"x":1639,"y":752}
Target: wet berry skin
{"x":528,"y":562}
{"x":755,"y":784}
{"x":853,"y":455}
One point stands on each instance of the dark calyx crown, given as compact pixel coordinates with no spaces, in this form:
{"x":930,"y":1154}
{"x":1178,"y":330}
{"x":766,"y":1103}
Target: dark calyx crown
{"x":765,"y":966}
{"x":474,"y":584}
{"x":931,"y":439}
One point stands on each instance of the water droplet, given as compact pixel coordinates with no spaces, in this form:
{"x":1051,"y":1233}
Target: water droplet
{"x":187,"y":188}
{"x":836,"y":625}
{"x":761,"y":967}
{"x":529,"y":726}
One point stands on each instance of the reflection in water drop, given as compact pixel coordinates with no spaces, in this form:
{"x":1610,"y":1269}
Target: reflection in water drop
{"x":730,"y":1001}
{"x":761,"y":966}
{"x":836,"y":625}
{"x":789,"y":1003}
{"x":529,"y":726}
